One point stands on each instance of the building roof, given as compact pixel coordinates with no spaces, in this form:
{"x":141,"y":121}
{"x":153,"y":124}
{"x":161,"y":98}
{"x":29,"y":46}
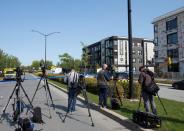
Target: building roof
{"x":171,"y":13}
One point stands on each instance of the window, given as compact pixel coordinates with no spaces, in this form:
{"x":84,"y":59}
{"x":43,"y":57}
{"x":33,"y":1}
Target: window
{"x":115,"y":42}
{"x":156,"y":41}
{"x":172,"y":24}
{"x":121,"y":59}
{"x":172,"y":38}
{"x":140,"y":60}
{"x":138,"y":44}
{"x":173,"y":53}
{"x":133,"y":52}
{"x":133,"y":44}
{"x":156,"y":54}
{"x":121,"y":47}
{"x":134,"y":69}
{"x":173,"y":67}
{"x":115,"y":61}
{"x":155,"y":28}
{"x":134,"y":60}
{"x":139,"y":52}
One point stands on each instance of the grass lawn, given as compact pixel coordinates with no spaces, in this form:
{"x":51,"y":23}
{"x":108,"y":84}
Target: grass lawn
{"x":174,"y":121}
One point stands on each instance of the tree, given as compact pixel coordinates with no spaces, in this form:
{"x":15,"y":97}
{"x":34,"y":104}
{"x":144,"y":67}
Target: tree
{"x":37,"y":63}
{"x":66,"y":61}
{"x":85,"y":55}
{"x":8,"y":61}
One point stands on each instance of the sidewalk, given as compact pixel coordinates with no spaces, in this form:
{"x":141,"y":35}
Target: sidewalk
{"x":115,"y":116}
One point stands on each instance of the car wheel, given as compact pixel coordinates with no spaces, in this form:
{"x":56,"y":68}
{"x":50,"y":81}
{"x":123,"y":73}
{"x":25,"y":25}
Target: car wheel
{"x":176,"y":86}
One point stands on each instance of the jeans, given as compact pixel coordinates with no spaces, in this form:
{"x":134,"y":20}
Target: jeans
{"x":103,"y":96}
{"x":71,"y":99}
{"x":149,"y":99}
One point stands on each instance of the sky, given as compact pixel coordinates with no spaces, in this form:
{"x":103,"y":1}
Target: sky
{"x":86,"y":21}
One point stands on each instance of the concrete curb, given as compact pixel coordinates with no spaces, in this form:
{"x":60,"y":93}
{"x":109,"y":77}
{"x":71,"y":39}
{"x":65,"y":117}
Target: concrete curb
{"x":161,"y":84}
{"x":109,"y":113}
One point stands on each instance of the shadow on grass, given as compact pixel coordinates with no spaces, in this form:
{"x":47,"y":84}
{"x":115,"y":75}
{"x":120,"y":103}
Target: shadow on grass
{"x":171,"y":119}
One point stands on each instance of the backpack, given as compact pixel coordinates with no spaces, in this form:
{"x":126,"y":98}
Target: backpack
{"x":37,"y":115}
{"x":152,"y":88}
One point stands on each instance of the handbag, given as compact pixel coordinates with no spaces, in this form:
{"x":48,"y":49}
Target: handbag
{"x":152,"y":88}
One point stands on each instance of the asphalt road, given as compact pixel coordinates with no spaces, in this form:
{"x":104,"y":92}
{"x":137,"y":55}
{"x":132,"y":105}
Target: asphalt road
{"x":78,"y":121}
{"x":169,"y":92}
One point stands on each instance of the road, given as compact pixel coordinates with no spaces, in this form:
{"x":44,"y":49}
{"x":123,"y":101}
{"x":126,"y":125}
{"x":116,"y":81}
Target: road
{"x":169,"y":92}
{"x":78,"y":121}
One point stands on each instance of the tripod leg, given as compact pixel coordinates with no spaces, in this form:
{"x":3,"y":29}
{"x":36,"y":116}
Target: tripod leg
{"x":46,"y":94}
{"x":8,"y":103}
{"x":69,"y":104}
{"x":87,"y":103}
{"x":36,"y":89}
{"x":162,"y":104}
{"x":10,"y":98}
{"x":50,"y":94}
{"x":26,"y":96}
{"x":118,"y":94}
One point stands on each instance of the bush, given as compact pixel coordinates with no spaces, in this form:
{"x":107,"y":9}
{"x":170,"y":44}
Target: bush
{"x":122,"y":90}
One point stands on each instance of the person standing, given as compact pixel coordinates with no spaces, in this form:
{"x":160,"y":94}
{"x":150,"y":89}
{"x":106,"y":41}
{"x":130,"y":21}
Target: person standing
{"x":102,"y":78}
{"x":145,"y":80}
{"x":72,"y":81}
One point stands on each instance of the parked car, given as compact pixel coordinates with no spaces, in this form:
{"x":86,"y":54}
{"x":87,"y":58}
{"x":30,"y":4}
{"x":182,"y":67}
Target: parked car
{"x":178,"y":84}
{"x":121,"y":75}
{"x":9,"y":74}
{"x":90,"y":76}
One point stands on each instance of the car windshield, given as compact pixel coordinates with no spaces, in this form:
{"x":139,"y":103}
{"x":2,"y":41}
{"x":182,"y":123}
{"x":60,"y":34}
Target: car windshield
{"x":9,"y":72}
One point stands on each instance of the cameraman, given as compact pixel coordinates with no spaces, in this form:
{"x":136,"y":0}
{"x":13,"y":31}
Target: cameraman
{"x":102,"y":77}
{"x":72,"y":80}
{"x":145,"y":79}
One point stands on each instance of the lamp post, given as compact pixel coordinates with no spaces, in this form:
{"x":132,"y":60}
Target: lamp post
{"x":130,"y":49}
{"x":45,"y":37}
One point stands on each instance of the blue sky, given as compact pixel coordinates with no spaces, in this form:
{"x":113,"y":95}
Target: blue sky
{"x":78,"y":20}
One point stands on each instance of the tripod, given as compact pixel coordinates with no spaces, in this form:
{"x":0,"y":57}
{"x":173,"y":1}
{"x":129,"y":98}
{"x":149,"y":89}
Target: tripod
{"x":19,"y":103}
{"x":46,"y":87}
{"x":159,"y":101}
{"x":81,"y":88}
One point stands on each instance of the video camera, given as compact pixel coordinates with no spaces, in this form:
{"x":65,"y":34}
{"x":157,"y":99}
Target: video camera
{"x":19,"y":72}
{"x":112,"y":72}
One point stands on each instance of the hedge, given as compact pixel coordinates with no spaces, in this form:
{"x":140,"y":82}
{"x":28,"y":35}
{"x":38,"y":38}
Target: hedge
{"x":122,"y":89}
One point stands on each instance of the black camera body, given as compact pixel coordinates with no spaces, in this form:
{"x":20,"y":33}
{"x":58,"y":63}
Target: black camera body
{"x":19,"y":72}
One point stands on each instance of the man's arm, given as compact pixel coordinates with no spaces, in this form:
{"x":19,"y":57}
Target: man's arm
{"x":141,"y":78}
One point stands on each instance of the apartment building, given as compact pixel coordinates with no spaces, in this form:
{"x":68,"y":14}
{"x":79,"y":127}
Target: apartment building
{"x":114,"y":51}
{"x":169,"y":42}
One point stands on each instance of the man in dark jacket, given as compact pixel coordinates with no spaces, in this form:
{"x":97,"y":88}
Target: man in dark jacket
{"x":145,"y":79}
{"x":102,"y":78}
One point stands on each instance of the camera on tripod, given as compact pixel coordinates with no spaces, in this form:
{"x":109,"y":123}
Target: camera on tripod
{"x":19,"y":72}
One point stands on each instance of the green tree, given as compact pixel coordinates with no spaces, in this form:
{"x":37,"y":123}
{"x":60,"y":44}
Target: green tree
{"x":66,"y":61}
{"x":85,"y":55}
{"x":35,"y":64}
{"x":8,"y":61}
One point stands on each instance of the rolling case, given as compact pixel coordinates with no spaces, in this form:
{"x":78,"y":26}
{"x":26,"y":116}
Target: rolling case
{"x":146,"y":119}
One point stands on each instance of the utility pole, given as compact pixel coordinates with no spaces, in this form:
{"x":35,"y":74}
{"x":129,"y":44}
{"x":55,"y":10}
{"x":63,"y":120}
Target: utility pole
{"x":130,"y":50}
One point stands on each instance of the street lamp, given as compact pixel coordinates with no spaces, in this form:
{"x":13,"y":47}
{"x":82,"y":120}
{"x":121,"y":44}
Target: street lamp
{"x":45,"y":36}
{"x":130,"y":49}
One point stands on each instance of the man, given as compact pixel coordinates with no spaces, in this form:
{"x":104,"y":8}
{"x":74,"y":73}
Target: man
{"x":102,"y":78}
{"x":72,"y":80}
{"x":145,"y":80}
